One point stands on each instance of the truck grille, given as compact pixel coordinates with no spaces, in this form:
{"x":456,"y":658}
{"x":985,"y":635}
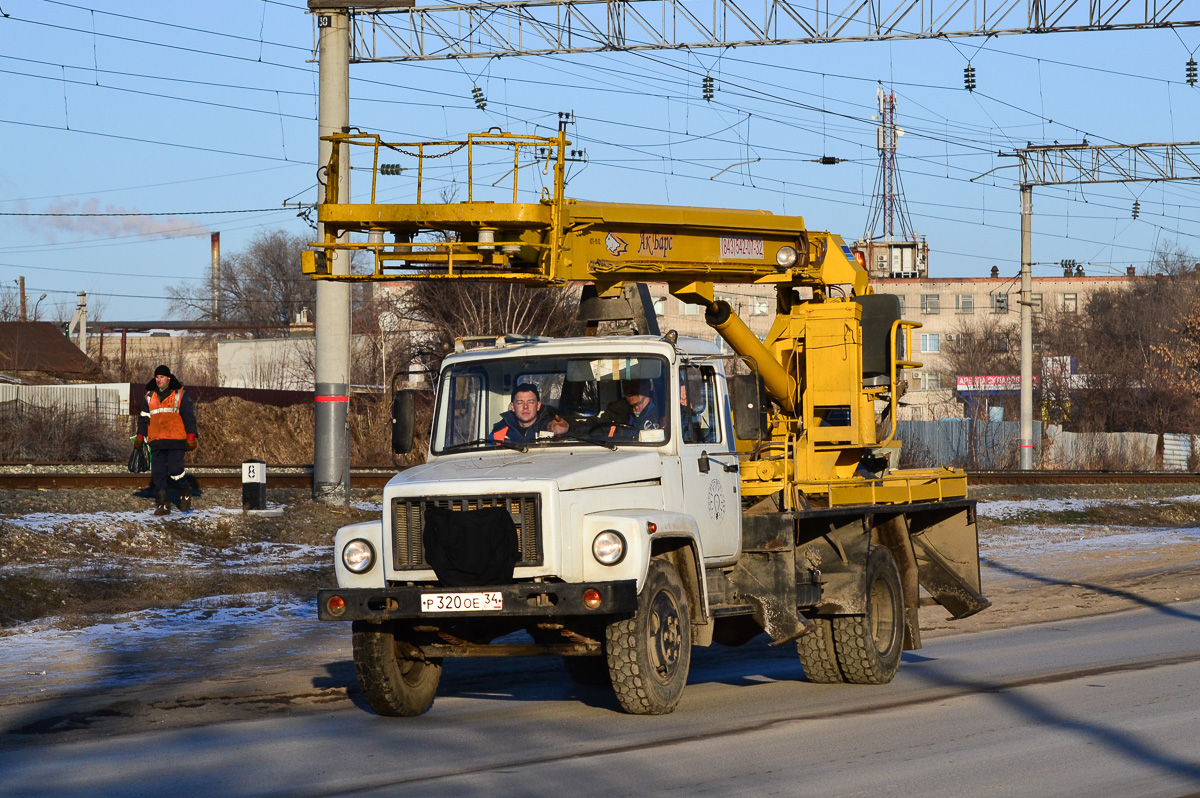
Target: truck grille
{"x":408,"y":522}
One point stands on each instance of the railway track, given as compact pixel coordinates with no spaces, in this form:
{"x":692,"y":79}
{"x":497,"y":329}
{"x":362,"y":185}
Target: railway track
{"x":63,"y":476}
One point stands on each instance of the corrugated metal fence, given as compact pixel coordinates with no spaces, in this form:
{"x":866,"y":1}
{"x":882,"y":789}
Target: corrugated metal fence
{"x":109,"y":401}
{"x":963,"y":442}
{"x":989,"y":445}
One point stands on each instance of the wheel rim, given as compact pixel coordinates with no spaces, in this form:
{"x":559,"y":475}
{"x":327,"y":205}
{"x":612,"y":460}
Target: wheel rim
{"x":883,"y":617}
{"x":664,"y":636}
{"x":411,"y":670}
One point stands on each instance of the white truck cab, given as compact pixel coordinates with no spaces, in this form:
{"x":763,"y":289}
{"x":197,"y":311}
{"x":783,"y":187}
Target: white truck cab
{"x":632,"y":454}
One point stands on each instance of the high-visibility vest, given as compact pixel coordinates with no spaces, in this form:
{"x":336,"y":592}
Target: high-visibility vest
{"x":165,"y":421}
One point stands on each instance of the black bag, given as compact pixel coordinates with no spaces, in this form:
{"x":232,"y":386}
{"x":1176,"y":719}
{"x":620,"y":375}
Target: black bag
{"x":138,"y":462}
{"x":471,"y":548}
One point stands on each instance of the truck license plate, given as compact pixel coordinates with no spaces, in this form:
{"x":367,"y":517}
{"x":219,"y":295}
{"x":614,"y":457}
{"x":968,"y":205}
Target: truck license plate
{"x":461,"y":602}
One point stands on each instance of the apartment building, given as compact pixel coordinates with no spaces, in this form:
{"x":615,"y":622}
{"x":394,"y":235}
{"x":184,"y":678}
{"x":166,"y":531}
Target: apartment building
{"x":943,"y":306}
{"x":946,"y":306}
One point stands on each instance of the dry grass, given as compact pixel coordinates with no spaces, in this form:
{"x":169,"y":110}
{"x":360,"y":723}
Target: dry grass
{"x":232,"y":430}
{"x":61,"y":435}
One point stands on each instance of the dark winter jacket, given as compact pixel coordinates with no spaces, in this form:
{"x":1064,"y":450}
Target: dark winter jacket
{"x":508,"y":429}
{"x":619,"y":422}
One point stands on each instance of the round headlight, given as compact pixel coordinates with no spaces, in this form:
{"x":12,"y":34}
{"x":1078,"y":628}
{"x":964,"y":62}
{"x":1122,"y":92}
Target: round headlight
{"x":358,"y":556}
{"x":609,"y":547}
{"x":786,"y":257}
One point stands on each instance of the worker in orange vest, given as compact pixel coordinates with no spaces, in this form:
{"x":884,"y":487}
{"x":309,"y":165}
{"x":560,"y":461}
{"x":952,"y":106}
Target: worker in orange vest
{"x":168,"y":422}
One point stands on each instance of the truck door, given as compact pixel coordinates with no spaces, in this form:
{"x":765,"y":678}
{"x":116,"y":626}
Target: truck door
{"x":713,"y":494}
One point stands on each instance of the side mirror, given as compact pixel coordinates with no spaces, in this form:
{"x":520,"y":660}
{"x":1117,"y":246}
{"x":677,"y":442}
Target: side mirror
{"x":749,"y":399}
{"x":404,"y":420}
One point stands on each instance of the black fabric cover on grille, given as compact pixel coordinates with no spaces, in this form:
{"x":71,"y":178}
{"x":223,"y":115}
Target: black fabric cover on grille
{"x":470,"y":548}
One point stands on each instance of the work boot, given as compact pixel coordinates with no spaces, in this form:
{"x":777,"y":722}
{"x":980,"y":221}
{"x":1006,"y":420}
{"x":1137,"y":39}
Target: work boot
{"x":185,"y":497}
{"x":160,"y":503}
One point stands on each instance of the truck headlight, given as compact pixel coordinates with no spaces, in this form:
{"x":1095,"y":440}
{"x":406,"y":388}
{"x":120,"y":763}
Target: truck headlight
{"x":785,"y":257}
{"x":358,"y":556}
{"x":609,"y":547}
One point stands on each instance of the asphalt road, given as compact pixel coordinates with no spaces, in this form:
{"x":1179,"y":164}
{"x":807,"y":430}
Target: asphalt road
{"x":1107,"y":705}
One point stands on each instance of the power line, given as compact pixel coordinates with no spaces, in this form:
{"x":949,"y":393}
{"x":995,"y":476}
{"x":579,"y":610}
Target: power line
{"x":171,"y":213}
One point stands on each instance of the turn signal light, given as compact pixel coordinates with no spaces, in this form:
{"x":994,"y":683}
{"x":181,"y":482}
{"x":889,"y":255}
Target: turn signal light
{"x":336,"y":605}
{"x":651,"y":527}
{"x":591,"y":598}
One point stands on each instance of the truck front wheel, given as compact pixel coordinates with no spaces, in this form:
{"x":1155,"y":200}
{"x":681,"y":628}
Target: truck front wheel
{"x":869,"y":645}
{"x":649,"y":654}
{"x":393,"y":684}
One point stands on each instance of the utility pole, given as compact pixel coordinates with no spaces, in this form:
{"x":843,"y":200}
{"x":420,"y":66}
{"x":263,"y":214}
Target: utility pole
{"x":1081,"y":164}
{"x":21,"y":283}
{"x":331,"y":455}
{"x":1026,"y":453}
{"x":77,"y":329}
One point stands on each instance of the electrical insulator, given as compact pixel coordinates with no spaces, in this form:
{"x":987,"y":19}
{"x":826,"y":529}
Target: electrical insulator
{"x":480,"y":100}
{"x":390,"y":169}
{"x":1136,"y":209}
{"x":706,"y":87}
{"x":969,"y":77}
{"x":1191,"y":72}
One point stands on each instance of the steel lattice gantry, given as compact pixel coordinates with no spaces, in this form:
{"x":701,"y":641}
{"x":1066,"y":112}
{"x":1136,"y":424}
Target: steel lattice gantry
{"x":1070,"y":164}
{"x":539,"y":27}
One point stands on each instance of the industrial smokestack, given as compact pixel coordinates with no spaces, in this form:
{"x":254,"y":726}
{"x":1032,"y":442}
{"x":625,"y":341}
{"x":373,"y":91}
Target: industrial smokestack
{"x":216,"y":276}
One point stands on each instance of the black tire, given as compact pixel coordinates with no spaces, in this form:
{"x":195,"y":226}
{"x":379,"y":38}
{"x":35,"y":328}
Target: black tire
{"x":818,"y":654}
{"x":588,"y":671}
{"x":394,"y":685}
{"x":869,"y":646}
{"x":649,"y":653}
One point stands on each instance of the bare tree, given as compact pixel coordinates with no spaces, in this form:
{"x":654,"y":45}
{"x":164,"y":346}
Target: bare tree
{"x":10,"y":303}
{"x":445,"y":311}
{"x":1133,"y":351}
{"x":983,"y":346}
{"x":262,"y":284}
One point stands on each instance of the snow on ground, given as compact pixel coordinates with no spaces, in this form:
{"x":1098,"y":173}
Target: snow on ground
{"x":200,"y":638}
{"x":191,"y":643}
{"x":1003,"y":510}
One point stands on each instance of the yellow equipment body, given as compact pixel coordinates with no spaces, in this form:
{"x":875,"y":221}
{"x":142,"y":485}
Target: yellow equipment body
{"x":811,"y":361}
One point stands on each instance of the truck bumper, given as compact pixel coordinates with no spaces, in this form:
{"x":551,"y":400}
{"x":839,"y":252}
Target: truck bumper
{"x":528,"y":599}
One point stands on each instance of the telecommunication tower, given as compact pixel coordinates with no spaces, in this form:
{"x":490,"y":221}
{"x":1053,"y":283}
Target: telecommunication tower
{"x":890,"y":245}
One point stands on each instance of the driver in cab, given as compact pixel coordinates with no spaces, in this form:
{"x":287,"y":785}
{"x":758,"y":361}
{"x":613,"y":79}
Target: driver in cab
{"x":523,"y":420}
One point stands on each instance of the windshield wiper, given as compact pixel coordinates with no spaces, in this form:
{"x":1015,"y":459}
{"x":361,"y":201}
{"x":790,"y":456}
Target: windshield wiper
{"x":581,"y":439}
{"x":461,"y":447}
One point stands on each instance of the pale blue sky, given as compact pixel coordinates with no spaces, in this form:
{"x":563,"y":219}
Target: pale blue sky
{"x":188,"y":110}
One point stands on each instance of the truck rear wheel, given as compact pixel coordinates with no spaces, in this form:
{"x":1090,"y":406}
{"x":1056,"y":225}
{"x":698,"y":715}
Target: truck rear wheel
{"x":868,"y":646}
{"x":818,"y":654}
{"x":394,"y":685}
{"x":649,"y":654}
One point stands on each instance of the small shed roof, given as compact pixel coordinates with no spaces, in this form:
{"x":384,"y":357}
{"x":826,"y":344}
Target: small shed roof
{"x":39,"y":347}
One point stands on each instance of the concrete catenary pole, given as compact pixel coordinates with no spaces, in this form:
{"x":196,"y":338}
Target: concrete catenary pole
{"x":331,"y":456}
{"x":1026,"y":450}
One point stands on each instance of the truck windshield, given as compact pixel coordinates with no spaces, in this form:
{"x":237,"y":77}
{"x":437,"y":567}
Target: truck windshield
{"x":538,"y":402}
